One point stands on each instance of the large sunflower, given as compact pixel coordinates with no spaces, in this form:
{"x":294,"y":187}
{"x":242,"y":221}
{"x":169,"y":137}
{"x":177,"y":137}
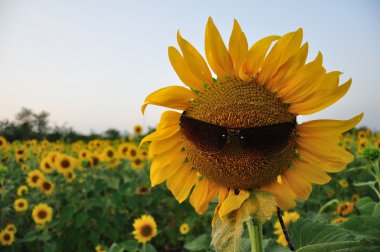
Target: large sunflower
{"x":239,"y":129}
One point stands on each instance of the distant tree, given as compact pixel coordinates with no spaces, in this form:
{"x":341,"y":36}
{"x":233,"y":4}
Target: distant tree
{"x":112,"y":134}
{"x":41,"y":123}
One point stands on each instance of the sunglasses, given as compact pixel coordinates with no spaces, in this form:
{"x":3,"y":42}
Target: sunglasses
{"x":266,"y":141}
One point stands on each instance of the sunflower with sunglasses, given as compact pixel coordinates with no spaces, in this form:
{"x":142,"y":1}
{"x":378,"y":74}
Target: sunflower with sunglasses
{"x":238,"y":128}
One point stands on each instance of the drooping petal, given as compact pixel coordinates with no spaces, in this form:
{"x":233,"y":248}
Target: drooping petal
{"x":203,"y":193}
{"x":313,"y":172}
{"x":297,"y":183}
{"x":324,"y":128}
{"x":285,"y":196}
{"x":160,"y":134}
{"x":180,"y":184}
{"x":168,"y":119}
{"x":233,"y":202}
{"x":195,"y":62}
{"x":217,"y":54}
{"x":238,"y":47}
{"x":175,"y":97}
{"x":319,"y":100}
{"x":158,"y":147}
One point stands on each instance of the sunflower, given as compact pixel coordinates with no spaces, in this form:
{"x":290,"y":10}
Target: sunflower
{"x":343,"y":183}
{"x":184,"y":228}
{"x":362,"y":134}
{"x":34,"y":178}
{"x":288,"y":217}
{"x":99,"y":248}
{"x":24,"y":167}
{"x":21,"y":190}
{"x":142,"y":190}
{"x":145,"y":228}
{"x":20,"y":205}
{"x":46,"y":165}
{"x":137,"y":163}
{"x":355,"y":197}
{"x":137,"y":130}
{"x":123,"y":150}
{"x":11,"y":228}
{"x":345,"y":208}
{"x":70,"y":176}
{"x":108,"y":154}
{"x":6,"y":238}
{"x":3,"y":142}
{"x":132,"y":152}
{"x":339,"y":220}
{"x":47,"y":187}
{"x":65,"y":163}
{"x":42,"y":213}
{"x":239,"y":128}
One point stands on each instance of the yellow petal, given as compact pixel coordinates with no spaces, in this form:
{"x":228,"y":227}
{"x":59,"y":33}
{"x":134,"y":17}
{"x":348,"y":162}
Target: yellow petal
{"x":286,"y":47}
{"x":233,"y":202}
{"x":216,"y":52}
{"x":158,"y":147}
{"x":165,"y":165}
{"x":328,"y":165}
{"x":160,"y":134}
{"x":319,"y":100}
{"x":332,"y":80}
{"x":313,"y":172}
{"x":238,"y":47}
{"x":175,"y":97}
{"x":285,"y":197}
{"x":256,"y":54}
{"x":195,"y":61}
{"x":297,"y":183}
{"x":183,"y":70}
{"x":203,"y":193}
{"x":180,"y":184}
{"x":323,"y":128}
{"x":168,"y":119}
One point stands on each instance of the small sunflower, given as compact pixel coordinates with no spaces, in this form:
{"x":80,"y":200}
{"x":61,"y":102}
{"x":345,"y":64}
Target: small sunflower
{"x":46,"y":165}
{"x":145,"y":228}
{"x":47,"y":187}
{"x":355,"y":197}
{"x":11,"y":228}
{"x":142,"y":190}
{"x":345,"y":208}
{"x":239,"y":129}
{"x":330,"y":193}
{"x":339,"y":220}
{"x":123,"y":150}
{"x":137,"y":163}
{"x":343,"y":183}
{"x":70,"y":176}
{"x":42,"y":213}
{"x":108,"y":154}
{"x":3,"y":142}
{"x":99,"y":248}
{"x":137,"y":130}
{"x":65,"y":163}
{"x":34,"y":178}
{"x":132,"y":152}
{"x":20,"y":205}
{"x":6,"y":238}
{"x":184,"y":228}
{"x":288,"y":217}
{"x":21,"y":190}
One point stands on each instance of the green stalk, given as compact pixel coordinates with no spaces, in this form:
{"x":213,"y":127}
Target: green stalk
{"x":326,"y":205}
{"x":255,"y":236}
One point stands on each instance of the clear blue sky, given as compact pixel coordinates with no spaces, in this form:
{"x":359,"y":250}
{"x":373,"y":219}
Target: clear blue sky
{"x":91,"y":63}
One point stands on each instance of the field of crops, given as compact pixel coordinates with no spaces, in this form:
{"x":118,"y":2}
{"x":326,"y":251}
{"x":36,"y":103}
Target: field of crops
{"x":96,"y":196}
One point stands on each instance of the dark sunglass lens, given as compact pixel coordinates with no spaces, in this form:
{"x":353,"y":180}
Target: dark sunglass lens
{"x":206,"y":137}
{"x":267,"y":140}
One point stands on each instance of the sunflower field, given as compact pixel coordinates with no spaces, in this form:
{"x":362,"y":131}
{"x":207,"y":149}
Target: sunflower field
{"x":96,"y":196}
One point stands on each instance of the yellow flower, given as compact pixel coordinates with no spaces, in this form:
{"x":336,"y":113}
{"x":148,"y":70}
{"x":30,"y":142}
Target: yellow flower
{"x":47,"y":187}
{"x":65,"y":163}
{"x":123,"y":150}
{"x":288,"y":217}
{"x":6,"y":238}
{"x":20,"y":205}
{"x":239,"y":128}
{"x":345,"y":208}
{"x":22,"y":190}
{"x":24,"y":167}
{"x":137,"y":130}
{"x":3,"y":142}
{"x":46,"y":165}
{"x":132,"y":152}
{"x":70,"y":176}
{"x":34,"y":178}
{"x":142,"y":190}
{"x":339,"y":220}
{"x":42,"y":213}
{"x":362,"y":134}
{"x":99,"y":248}
{"x":137,"y":163}
{"x":184,"y":228}
{"x":355,"y":197}
{"x":145,"y":228}
{"x":331,"y":193}
{"x":343,"y":183}
{"x":11,"y":228}
{"x":108,"y":154}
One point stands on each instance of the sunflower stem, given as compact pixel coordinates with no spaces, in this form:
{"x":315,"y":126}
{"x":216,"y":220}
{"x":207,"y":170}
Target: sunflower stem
{"x":255,"y":236}
{"x":144,"y":247}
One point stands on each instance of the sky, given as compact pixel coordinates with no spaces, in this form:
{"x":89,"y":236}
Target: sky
{"x":91,"y":64}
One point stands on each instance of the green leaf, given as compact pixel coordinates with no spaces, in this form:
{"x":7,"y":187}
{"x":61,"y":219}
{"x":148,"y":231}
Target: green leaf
{"x":376,"y":210}
{"x":364,"y":227}
{"x":202,"y":242}
{"x":116,"y":248}
{"x":365,"y":206}
{"x":313,"y":236}
{"x":149,"y":248}
{"x":130,"y":245}
{"x":80,"y":219}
